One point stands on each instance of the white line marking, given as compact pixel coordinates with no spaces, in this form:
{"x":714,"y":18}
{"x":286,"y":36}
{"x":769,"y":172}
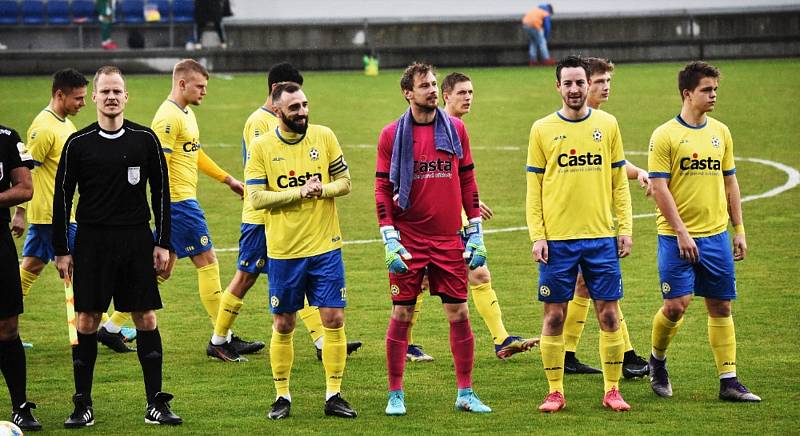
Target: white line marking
{"x":793,"y":179}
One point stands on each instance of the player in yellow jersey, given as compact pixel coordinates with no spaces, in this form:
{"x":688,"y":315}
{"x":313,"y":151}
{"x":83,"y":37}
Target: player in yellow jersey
{"x":294,"y":173}
{"x":458,"y":92}
{"x":575,"y":177}
{"x":176,"y":127}
{"x":694,"y":183}
{"x":252,"y":259}
{"x":633,"y":366}
{"x":46,"y":137}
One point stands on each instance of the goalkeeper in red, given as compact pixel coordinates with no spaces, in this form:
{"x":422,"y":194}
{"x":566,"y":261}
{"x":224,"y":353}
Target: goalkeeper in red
{"x":424,"y":177}
{"x":693,"y":175}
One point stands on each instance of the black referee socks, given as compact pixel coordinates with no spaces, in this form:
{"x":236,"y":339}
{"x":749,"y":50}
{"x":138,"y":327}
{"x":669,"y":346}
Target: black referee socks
{"x":84,"y":355}
{"x":12,"y":364}
{"x":148,"y":347}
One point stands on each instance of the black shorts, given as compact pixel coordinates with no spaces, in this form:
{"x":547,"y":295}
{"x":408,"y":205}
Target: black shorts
{"x":114,"y":262}
{"x":10,"y":286}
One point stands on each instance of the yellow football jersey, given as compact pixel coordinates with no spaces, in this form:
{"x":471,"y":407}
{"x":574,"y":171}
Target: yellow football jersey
{"x":694,"y":160}
{"x":179,"y":134}
{"x":308,"y":227}
{"x":46,"y":138}
{"x":260,"y":122}
{"x":575,"y":176}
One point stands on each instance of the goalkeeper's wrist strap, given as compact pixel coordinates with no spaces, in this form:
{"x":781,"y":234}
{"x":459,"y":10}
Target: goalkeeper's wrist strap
{"x":475,"y":226}
{"x":389,"y":232}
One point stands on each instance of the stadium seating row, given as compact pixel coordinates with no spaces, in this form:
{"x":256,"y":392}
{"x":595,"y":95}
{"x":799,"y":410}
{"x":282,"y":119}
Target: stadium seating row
{"x":38,"y":12}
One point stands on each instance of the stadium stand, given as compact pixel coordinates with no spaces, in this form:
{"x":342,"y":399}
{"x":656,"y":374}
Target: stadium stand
{"x":182,"y":11}
{"x":9,"y":12}
{"x":33,"y":12}
{"x":58,"y":12}
{"x":83,"y":11}
{"x":164,"y":8}
{"x":132,"y":11}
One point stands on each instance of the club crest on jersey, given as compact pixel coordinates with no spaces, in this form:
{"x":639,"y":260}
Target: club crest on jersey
{"x":715,"y":142}
{"x":395,"y":290}
{"x":134,"y":175}
{"x":665,"y":288}
{"x":597,"y":135}
{"x":544,"y":291}
{"x":204,"y":240}
{"x":274,"y":302}
{"x":313,"y":154}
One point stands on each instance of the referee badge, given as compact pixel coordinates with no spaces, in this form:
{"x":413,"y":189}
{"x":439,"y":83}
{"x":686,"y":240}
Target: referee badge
{"x":134,"y":175}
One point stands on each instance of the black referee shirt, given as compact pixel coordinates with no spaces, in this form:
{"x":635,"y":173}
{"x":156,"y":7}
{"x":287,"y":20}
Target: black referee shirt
{"x":110,"y":170}
{"x":11,"y":149}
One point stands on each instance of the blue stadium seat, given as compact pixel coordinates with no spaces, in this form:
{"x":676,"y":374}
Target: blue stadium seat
{"x":183,"y":11}
{"x":58,"y":12}
{"x":132,"y":11}
{"x":163,"y":8}
{"x":83,"y":11}
{"x":33,"y":12}
{"x":9,"y":12}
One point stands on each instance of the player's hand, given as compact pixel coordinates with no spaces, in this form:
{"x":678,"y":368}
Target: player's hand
{"x":624,"y":245}
{"x":18,"y":223}
{"x":539,"y":251}
{"x":739,"y":247}
{"x":64,"y":266}
{"x":688,"y":248}
{"x":486,"y":212}
{"x":235,"y":185}
{"x":474,"y":250}
{"x":313,"y":187}
{"x":644,"y":182}
{"x":160,"y":259}
{"x":395,"y":252}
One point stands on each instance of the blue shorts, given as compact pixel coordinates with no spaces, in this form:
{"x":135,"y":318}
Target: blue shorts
{"x":319,"y":278}
{"x":189,"y":234}
{"x":595,"y":258}
{"x":253,"y":249}
{"x":39,"y":242}
{"x":712,"y":276}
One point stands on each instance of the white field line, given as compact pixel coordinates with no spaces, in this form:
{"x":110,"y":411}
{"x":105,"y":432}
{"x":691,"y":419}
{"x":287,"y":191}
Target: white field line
{"x":792,"y":180}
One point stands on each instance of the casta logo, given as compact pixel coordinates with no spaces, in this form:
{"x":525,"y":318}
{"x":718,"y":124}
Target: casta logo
{"x":430,"y":166}
{"x":696,"y":163}
{"x":573,"y":159}
{"x":292,"y":181}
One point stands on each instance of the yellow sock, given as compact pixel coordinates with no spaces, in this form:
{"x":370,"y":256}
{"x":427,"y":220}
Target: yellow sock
{"x":281,"y":357}
{"x":577,"y":311}
{"x":415,"y":316}
{"x":722,"y":336}
{"x":210,"y":289}
{"x":160,"y":280}
{"x":312,"y":320}
{"x":623,"y":327}
{"x":485,"y":301}
{"x":120,"y":318}
{"x":334,"y":357}
{"x":552,"y":348}
{"x":27,"y":278}
{"x":228,"y":311}
{"x":612,"y":349}
{"x":663,"y":332}
{"x":103,"y":319}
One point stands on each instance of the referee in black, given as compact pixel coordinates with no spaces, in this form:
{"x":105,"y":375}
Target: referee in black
{"x":115,"y":254}
{"x":15,"y":187}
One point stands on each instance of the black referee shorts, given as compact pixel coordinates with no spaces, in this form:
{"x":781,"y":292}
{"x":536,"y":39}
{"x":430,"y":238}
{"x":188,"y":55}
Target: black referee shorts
{"x":10,"y":286}
{"x":114,"y":262}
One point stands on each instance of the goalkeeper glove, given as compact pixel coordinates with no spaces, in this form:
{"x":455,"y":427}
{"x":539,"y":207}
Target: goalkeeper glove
{"x":474,"y":251}
{"x":395,"y":252}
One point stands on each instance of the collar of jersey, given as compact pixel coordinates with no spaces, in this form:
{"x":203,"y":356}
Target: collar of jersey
{"x":184,"y":110}
{"x":50,"y":111}
{"x":109,"y":134}
{"x":286,"y":141}
{"x":574,"y":121}
{"x":268,"y":111}
{"x":685,"y":124}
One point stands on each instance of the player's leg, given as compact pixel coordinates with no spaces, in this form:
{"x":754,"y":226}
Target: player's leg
{"x":208,"y":282}
{"x":232,"y":300}
{"x":37,"y":251}
{"x":577,"y":313}
{"x":415,"y":353}
{"x":633,"y":365}
{"x":84,"y":356}
{"x":150,"y":353}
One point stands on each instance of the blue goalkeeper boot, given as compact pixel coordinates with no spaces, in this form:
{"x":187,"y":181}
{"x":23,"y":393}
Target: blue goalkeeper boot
{"x":397,"y":404}
{"x":129,"y":333}
{"x":467,"y":401}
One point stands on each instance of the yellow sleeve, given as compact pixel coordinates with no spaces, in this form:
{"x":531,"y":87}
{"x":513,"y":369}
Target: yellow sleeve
{"x":337,"y":169}
{"x":619,"y":185}
{"x":210,"y":168}
{"x":659,"y":155}
{"x":257,"y":179}
{"x":40,"y":142}
{"x":728,"y":164}
{"x":535,"y":168}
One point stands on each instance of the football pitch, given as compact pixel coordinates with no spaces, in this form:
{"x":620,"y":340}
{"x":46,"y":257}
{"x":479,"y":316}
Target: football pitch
{"x":757,"y":99}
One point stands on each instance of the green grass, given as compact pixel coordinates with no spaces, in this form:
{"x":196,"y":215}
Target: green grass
{"x":757,"y":100}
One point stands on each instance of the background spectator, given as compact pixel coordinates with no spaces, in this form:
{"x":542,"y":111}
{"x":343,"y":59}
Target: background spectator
{"x":537,"y":24}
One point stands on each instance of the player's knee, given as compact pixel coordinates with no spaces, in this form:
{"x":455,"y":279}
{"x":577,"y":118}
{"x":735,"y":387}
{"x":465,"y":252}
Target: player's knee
{"x":283,"y":324}
{"x":674,"y":310}
{"x":609,"y":320}
{"x":33,"y":265}
{"x":88,"y":322}
{"x":403,"y":312}
{"x":9,"y":328}
{"x":457,"y":312}
{"x":479,"y":276}
{"x":145,"y":321}
{"x":718,"y":308}
{"x":332,"y":318}
{"x":554,"y":320}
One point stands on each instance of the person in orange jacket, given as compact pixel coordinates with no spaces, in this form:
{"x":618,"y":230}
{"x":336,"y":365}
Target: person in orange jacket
{"x":537,"y":25}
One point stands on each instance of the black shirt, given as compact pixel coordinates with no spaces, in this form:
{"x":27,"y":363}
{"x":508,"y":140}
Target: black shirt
{"x":110,"y":170}
{"x":11,"y":149}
